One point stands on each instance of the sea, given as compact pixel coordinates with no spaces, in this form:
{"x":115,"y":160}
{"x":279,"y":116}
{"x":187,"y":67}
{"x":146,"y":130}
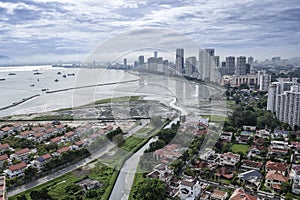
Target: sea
{"x":26,"y":81}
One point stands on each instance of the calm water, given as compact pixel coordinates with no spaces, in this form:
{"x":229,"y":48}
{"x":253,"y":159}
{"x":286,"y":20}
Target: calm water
{"x":19,"y":86}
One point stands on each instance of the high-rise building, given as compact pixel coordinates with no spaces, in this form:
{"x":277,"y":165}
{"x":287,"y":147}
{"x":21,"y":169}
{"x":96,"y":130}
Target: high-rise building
{"x":248,"y":68}
{"x":284,"y":101}
{"x":250,"y":60}
{"x":276,"y":60}
{"x":125,"y":62}
{"x":141,"y":60}
{"x":264,"y":80}
{"x":230,"y":65}
{"x":206,"y":64}
{"x":180,"y":61}
{"x":216,"y":60}
{"x":190,"y":65}
{"x":155,"y":54}
{"x":241,"y":65}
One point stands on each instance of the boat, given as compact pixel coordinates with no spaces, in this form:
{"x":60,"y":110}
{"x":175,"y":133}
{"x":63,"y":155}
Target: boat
{"x":64,"y":76}
{"x":11,"y":73}
{"x":32,"y":85}
{"x":37,"y":73}
{"x":59,"y":73}
{"x":56,"y":80}
{"x":71,"y":74}
{"x":2,"y":79}
{"x":44,"y":89}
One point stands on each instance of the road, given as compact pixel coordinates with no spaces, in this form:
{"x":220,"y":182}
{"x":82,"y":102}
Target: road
{"x":72,"y":167}
{"x":125,"y":179}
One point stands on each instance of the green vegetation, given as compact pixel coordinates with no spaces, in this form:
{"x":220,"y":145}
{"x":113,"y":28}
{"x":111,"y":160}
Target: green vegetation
{"x":64,"y":187}
{"x":53,"y":117}
{"x":149,"y":189}
{"x":215,"y":118}
{"x":131,"y":142}
{"x":240,"y":148}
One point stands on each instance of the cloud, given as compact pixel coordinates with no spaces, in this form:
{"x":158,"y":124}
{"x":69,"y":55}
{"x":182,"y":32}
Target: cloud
{"x":55,"y":27}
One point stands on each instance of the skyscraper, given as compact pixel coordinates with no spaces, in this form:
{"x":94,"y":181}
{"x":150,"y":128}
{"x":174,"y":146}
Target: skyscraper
{"x":206,"y":63}
{"x":141,"y":60}
{"x":190,"y":65}
{"x":125,"y":62}
{"x":155,"y":54}
{"x":180,"y":61}
{"x":230,"y":65}
{"x":284,"y":100}
{"x":241,"y":65}
{"x":250,"y":60}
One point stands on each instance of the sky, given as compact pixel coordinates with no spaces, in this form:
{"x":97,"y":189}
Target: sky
{"x":53,"y":30}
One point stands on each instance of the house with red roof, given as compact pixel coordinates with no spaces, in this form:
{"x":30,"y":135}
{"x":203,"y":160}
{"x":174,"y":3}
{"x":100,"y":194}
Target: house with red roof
{"x":15,"y":170}
{"x":240,"y":194}
{"x":279,"y":167}
{"x":3,"y":158}
{"x":25,"y":134}
{"x":229,"y":158}
{"x":4,"y":147}
{"x":219,"y":195}
{"x":70,"y":136}
{"x":40,"y":161}
{"x":63,"y":150}
{"x":21,"y":155}
{"x":274,"y":180}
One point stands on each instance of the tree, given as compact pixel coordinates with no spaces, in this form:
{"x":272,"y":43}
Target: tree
{"x":30,"y":173}
{"x":41,"y":194}
{"x":150,"y":189}
{"x":22,"y":197}
{"x":286,"y":187}
{"x":119,"y":140}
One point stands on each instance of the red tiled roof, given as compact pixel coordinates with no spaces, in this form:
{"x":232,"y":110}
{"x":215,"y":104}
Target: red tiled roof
{"x":24,"y":133}
{"x":239,"y":194}
{"x":17,"y":125}
{"x":17,"y":166}
{"x":57,"y":139}
{"x":4,"y":146}
{"x":5,"y":129}
{"x":276,"y":186}
{"x":22,"y":151}
{"x":231,"y":155}
{"x":272,"y":175}
{"x":61,"y":126}
{"x":251,"y":163}
{"x":79,"y":143}
{"x":64,"y":149}
{"x":50,"y":130}
{"x":46,"y":156}
{"x":218,"y":194}
{"x":47,"y":125}
{"x":276,"y":166}
{"x":70,"y":133}
{"x":3,"y":157}
{"x":36,"y":129}
{"x":39,"y":134}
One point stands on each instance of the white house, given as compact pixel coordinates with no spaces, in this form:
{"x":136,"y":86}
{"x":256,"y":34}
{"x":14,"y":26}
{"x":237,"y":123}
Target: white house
{"x":15,"y":170}
{"x":229,"y":159}
{"x":21,"y":155}
{"x":274,"y":180}
{"x":189,"y":189}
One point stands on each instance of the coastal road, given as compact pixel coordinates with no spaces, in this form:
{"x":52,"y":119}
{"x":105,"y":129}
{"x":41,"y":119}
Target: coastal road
{"x":125,"y":179}
{"x":72,"y":167}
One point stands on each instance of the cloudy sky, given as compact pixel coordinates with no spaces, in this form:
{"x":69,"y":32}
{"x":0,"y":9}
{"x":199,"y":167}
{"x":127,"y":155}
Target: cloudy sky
{"x":70,"y":29}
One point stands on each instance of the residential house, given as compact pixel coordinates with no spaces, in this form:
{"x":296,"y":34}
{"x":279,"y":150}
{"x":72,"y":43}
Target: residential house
{"x":256,"y":151}
{"x":243,"y":139}
{"x":70,"y":136}
{"x":50,"y":132}
{"x":57,"y":140}
{"x":296,"y":149}
{"x":39,"y":137}
{"x":280,"y":134}
{"x":25,"y":134}
{"x":5,"y":131}
{"x":250,"y":164}
{"x":225,"y":172}
{"x":4,"y":147}
{"x":21,"y":155}
{"x":219,"y":195}
{"x":63,"y":150}
{"x":249,"y":128}
{"x":264,"y":133}
{"x":40,"y":161}
{"x":88,"y":184}
{"x":79,"y":143}
{"x":15,"y":170}
{"x":276,"y":167}
{"x":18,"y":127}
{"x":295,"y":176}
{"x":240,"y":194}
{"x":252,"y":177}
{"x":226,"y":136}
{"x":229,"y":159}
{"x":189,"y":189}
{"x":3,"y":158}
{"x":279,"y":148}
{"x":274,"y":179}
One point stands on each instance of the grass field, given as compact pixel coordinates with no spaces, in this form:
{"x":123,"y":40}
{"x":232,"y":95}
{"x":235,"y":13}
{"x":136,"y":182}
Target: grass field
{"x":215,"y":118}
{"x":243,"y":148}
{"x":57,"y":186}
{"x":131,"y":142}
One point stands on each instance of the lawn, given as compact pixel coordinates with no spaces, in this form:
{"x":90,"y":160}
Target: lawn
{"x":215,"y":118}
{"x":237,"y":148}
{"x":131,"y":142}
